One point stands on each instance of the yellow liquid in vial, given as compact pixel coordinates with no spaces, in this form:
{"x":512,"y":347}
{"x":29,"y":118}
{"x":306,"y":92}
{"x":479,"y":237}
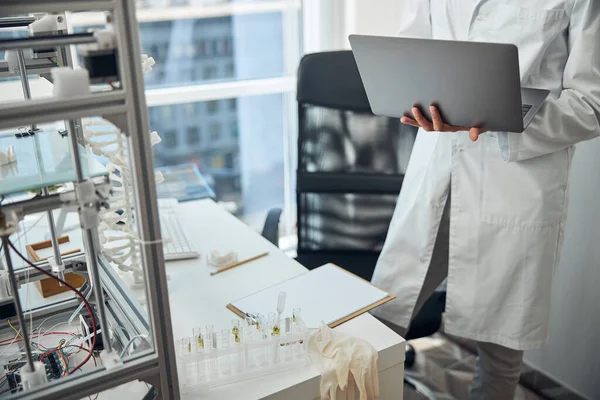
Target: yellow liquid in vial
{"x":275,"y":330}
{"x":200,"y":342}
{"x":235,"y":330}
{"x":237,"y":338}
{"x":189,"y":347}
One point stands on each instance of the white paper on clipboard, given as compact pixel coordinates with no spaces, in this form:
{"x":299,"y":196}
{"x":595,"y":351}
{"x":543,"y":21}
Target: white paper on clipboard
{"x":327,"y":294}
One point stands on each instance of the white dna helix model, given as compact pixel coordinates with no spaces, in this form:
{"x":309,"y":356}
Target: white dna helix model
{"x":118,"y":237}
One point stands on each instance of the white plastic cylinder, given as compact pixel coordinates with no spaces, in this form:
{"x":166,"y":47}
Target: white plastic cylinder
{"x":35,"y":378}
{"x":4,"y":285}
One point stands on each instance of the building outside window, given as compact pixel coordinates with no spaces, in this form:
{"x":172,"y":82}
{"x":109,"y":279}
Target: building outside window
{"x":220,"y":94}
{"x":193,"y":136}
{"x":212,"y":106}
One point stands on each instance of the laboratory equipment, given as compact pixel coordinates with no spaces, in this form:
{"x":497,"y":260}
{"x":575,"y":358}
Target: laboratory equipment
{"x":254,"y":351}
{"x":137,"y":341}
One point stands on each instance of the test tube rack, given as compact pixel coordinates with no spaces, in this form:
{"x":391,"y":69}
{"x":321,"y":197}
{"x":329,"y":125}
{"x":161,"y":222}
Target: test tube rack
{"x":214,"y":359}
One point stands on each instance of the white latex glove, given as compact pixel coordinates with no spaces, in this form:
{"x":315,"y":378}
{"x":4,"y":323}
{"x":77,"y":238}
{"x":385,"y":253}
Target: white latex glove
{"x":339,"y":355}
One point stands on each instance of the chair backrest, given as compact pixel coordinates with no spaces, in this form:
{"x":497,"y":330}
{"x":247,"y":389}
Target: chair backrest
{"x":350,"y":162}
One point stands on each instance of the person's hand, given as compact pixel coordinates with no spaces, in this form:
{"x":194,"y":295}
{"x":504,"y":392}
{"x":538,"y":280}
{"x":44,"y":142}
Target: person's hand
{"x":437,"y":124}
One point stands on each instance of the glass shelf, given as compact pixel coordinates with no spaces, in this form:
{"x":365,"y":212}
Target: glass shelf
{"x":43,"y":160}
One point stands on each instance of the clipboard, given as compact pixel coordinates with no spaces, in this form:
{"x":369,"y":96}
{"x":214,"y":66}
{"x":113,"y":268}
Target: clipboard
{"x":328,"y":293}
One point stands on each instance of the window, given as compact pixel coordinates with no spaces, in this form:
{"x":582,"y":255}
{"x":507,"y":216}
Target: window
{"x":193,"y":136}
{"x":228,"y":50}
{"x":217,"y":161}
{"x":221,"y":66}
{"x":212,"y":106}
{"x":166,"y":112}
{"x":209,"y":73}
{"x":229,"y":70}
{"x":201,"y":48}
{"x":171,"y":139}
{"x":232,"y":104}
{"x":189,"y":109}
{"x":229,"y":157}
{"x":248,"y":172}
{"x":215,"y":131}
{"x":257,"y":39}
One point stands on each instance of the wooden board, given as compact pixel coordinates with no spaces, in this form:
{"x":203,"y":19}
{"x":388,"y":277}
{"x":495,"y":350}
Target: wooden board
{"x":346,"y":299}
{"x":34,"y":247}
{"x":48,"y":286}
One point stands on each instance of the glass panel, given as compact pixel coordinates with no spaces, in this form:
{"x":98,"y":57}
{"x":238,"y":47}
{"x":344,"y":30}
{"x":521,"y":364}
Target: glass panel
{"x":237,"y":145}
{"x":43,"y":159}
{"x":343,"y":141}
{"x":344,"y":221}
{"x":191,"y":51}
{"x":60,"y":327}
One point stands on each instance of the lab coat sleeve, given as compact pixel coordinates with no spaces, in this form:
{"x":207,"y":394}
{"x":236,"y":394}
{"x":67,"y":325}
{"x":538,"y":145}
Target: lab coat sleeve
{"x":415,"y":19}
{"x":574,"y":116}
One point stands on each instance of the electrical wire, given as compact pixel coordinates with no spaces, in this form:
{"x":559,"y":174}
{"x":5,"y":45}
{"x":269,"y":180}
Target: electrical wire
{"x":111,"y":84}
{"x":77,"y":292}
{"x":131,"y":341}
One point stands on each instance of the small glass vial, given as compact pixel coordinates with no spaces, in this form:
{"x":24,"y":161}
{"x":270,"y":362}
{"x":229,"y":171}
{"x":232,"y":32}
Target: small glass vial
{"x":199,"y":340}
{"x":236,"y":325}
{"x":223,"y":344}
{"x":274,"y":324}
{"x":297,"y":315}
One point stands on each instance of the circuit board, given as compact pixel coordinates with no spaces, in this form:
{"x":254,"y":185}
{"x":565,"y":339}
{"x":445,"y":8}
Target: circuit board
{"x":54,"y":370}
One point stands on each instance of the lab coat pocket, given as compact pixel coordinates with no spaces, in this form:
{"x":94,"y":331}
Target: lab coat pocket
{"x":524,"y":194}
{"x":531,"y":29}
{"x":511,"y":279}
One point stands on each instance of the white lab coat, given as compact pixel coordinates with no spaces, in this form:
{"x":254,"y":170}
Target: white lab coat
{"x":508,"y":191}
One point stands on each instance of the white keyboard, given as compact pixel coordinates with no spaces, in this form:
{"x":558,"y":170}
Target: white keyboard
{"x":176,"y":245}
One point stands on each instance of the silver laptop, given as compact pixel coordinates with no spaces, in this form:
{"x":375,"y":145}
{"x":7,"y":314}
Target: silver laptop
{"x":472,"y":83}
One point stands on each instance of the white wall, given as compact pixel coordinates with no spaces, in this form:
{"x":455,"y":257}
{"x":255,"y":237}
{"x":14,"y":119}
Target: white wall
{"x":571,"y":355}
{"x":330,"y":22}
{"x":374,"y":17}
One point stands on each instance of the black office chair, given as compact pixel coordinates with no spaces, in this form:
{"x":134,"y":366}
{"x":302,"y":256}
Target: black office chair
{"x":350,"y":170}
{"x":271,"y":227}
{"x":350,"y":166}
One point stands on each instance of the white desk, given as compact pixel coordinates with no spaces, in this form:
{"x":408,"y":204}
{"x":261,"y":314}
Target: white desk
{"x":196,"y":299}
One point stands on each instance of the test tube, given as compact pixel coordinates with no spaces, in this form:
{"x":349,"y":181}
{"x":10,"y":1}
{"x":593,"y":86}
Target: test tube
{"x":208,"y":337}
{"x":260,"y":322}
{"x":210,"y":344}
{"x":199,"y":340}
{"x":274,"y":321}
{"x":241,"y":354}
{"x":297,"y":315}
{"x":236,"y":324}
{"x":224,"y":343}
{"x":249,"y":348}
{"x":262,"y":351}
{"x":186,"y":345}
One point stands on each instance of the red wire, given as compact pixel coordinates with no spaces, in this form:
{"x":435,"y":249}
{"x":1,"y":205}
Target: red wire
{"x":87,"y":305}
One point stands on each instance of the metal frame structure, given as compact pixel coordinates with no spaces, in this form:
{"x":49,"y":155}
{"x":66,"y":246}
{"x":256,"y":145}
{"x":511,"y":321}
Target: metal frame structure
{"x":126,"y":108}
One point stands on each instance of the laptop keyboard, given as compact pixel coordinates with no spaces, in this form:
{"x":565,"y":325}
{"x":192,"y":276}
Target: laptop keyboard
{"x":525,"y":109}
